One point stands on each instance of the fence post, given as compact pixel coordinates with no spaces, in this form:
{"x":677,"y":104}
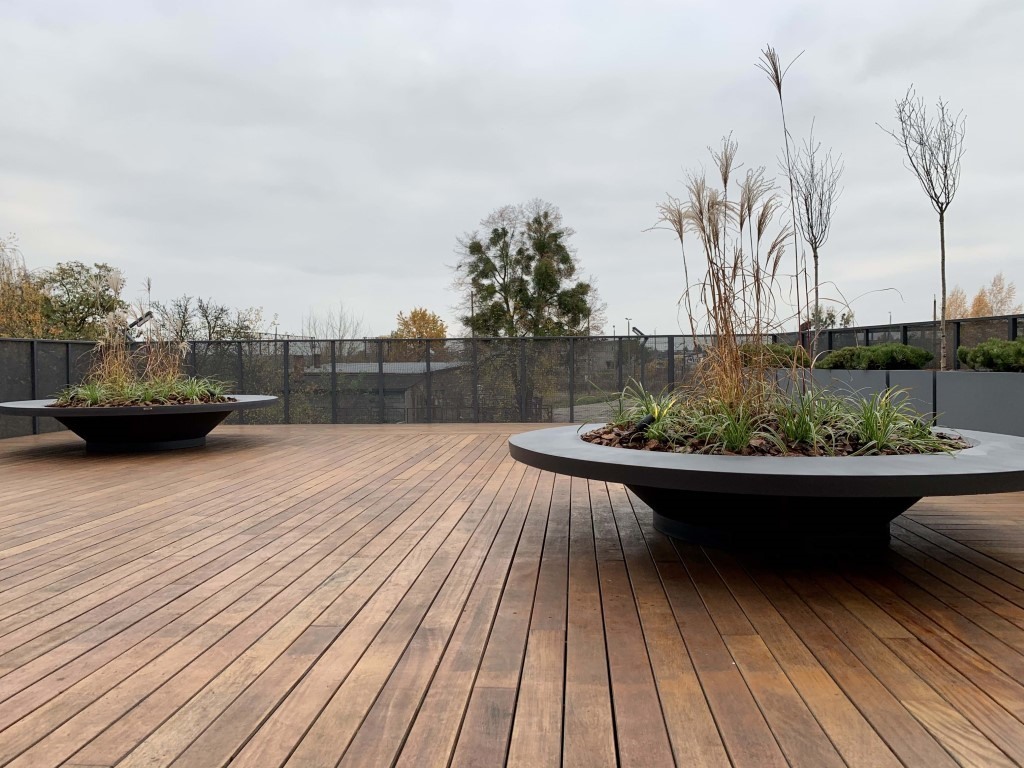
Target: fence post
{"x":67,"y":363}
{"x":475,"y":381}
{"x":241,"y":379}
{"x":904,"y":335}
{"x":618,"y":356}
{"x":956,"y":345}
{"x":828,"y":339}
{"x":867,"y":337}
{"x":522,"y":379}
{"x":33,"y":352}
{"x":671,"y":362}
{"x":380,"y":381}
{"x":643,"y":367}
{"x":430,"y":391}
{"x":1011,"y":329}
{"x":334,"y":382}
{"x":572,"y":379}
{"x":287,"y":384}
{"x":195,"y":362}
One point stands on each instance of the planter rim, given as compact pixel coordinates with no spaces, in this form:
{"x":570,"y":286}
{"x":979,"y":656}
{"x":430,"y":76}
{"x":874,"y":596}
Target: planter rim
{"x":42,"y":407}
{"x":994,"y":464}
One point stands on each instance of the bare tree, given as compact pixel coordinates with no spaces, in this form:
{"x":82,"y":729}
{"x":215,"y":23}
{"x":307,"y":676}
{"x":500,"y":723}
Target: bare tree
{"x":934,"y":147}
{"x":816,"y":182}
{"x":332,"y":323}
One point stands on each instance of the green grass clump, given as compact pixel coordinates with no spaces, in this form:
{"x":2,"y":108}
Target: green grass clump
{"x":170,"y":390}
{"x":892,"y":357}
{"x":813,"y":422}
{"x":994,"y":355}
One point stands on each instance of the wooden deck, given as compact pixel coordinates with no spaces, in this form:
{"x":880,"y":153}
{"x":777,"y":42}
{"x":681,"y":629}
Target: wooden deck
{"x":315,"y":595}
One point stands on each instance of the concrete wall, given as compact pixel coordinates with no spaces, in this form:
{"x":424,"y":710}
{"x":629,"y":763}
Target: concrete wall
{"x":989,"y":402}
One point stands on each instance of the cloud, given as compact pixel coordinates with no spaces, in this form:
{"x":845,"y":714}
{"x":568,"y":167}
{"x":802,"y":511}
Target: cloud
{"x":299,"y":156}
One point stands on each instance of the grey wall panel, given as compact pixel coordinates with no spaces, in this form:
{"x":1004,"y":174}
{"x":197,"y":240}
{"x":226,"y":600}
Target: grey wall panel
{"x":919,"y":388}
{"x":990,"y":402}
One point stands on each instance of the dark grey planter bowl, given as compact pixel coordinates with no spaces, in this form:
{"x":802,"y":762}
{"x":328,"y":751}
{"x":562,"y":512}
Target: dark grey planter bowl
{"x":140,"y":427}
{"x":792,"y":500}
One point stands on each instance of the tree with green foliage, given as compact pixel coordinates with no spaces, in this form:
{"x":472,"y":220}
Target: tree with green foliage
{"x":828,"y":317}
{"x":77,"y":298}
{"x":520,"y":276}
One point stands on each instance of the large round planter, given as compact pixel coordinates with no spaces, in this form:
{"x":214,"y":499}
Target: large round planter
{"x":140,"y":427}
{"x":796,"y":500}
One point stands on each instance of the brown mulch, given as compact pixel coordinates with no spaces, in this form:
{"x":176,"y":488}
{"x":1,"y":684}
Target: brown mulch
{"x":629,"y":437}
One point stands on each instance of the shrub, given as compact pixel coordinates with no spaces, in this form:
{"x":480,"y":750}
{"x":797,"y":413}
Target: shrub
{"x":773,"y":356}
{"x":994,"y":355}
{"x":893,"y":357}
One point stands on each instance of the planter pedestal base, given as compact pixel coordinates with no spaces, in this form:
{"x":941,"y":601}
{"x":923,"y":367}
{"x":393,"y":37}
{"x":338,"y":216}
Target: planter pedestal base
{"x":728,"y":520}
{"x":144,"y":433}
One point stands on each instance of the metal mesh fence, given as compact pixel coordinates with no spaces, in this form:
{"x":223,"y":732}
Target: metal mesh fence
{"x":372,"y":381}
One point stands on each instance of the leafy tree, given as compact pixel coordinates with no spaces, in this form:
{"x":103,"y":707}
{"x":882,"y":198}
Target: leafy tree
{"x":21,"y":298}
{"x":519,"y":278}
{"x":78,"y":297}
{"x":1000,"y":295}
{"x":828,"y":317}
{"x":980,"y":305}
{"x":956,"y":304}
{"x":420,"y":323}
{"x":996,"y":298}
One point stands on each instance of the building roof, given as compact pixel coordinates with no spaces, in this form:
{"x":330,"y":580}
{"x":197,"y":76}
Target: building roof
{"x":417,"y":367}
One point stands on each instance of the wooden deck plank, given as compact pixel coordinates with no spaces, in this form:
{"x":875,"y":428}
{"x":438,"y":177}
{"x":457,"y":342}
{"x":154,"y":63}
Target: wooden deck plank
{"x":589,"y":731}
{"x":376,"y":595}
{"x":367,"y":604}
{"x":537,"y":725}
{"x":208,"y":634}
{"x":691,"y":727}
{"x":487,"y":725}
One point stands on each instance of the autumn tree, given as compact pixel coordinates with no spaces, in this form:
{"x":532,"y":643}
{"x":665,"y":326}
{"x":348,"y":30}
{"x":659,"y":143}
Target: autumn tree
{"x":519,"y":276}
{"x":934,"y":146}
{"x":420,"y":323}
{"x":996,"y":298}
{"x":1001,"y":296}
{"x":980,"y":305}
{"x":956,"y":304}
{"x":21,"y":298}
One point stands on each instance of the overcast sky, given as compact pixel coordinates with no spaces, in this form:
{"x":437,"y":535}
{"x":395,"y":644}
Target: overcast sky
{"x":304,"y":154}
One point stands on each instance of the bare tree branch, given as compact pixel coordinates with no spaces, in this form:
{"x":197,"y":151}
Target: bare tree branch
{"x":934,"y":147}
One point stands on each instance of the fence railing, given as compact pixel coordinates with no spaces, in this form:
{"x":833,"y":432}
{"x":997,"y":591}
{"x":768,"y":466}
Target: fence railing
{"x":555,"y":379}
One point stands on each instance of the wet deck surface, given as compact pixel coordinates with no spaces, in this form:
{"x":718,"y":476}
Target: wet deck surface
{"x":315,"y":595}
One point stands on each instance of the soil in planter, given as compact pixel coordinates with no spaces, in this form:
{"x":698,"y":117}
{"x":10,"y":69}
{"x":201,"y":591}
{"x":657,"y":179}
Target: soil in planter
{"x":846,"y":445}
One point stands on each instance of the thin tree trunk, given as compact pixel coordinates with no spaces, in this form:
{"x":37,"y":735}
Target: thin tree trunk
{"x":942,"y":262}
{"x":816,"y":312}
{"x":814,"y":252}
